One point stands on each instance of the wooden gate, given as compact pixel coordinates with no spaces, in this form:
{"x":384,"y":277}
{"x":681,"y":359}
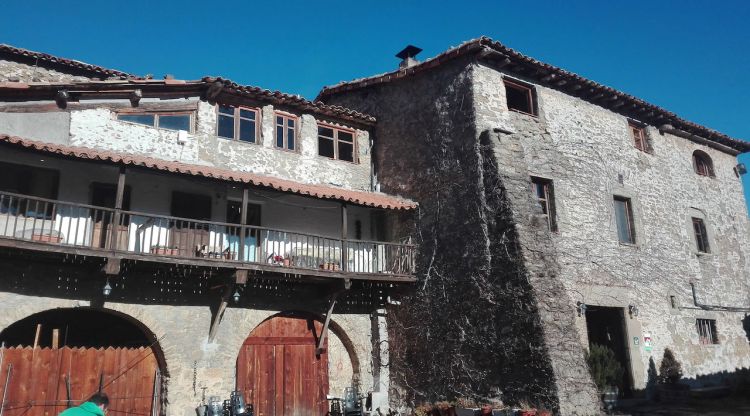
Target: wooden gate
{"x":44,"y":381}
{"x":278,"y":371}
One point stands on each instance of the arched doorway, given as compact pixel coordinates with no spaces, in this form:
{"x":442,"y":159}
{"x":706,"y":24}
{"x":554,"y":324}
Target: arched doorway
{"x":279,"y":371}
{"x":58,"y":358}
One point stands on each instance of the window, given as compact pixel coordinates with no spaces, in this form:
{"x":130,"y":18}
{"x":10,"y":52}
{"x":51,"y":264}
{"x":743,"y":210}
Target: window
{"x":639,"y":137}
{"x":701,"y":236}
{"x":30,"y":181}
{"x":707,"y":334}
{"x":336,"y":143}
{"x":286,"y":127}
{"x":703,"y":164}
{"x":544,"y":194}
{"x":238,"y":123}
{"x":520,"y":97}
{"x":168,"y":121}
{"x":624,"y":218}
{"x":192,"y":206}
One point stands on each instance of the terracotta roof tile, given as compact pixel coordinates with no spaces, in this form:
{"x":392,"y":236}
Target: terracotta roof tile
{"x":553,"y":77}
{"x":295,"y":101}
{"x":45,"y":60}
{"x":371,"y":199}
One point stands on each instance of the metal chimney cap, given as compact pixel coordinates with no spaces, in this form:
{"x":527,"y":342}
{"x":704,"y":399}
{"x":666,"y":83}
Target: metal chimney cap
{"x":409,"y":52}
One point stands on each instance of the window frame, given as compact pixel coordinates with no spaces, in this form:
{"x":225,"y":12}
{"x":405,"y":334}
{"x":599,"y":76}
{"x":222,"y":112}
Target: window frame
{"x":236,"y":122}
{"x":336,"y":129}
{"x":707,"y":331}
{"x":702,"y":243}
{"x":157,"y":114}
{"x":286,"y":116}
{"x":548,"y":201}
{"x":630,"y":218}
{"x":530,"y":95}
{"x":701,"y":158}
{"x":637,"y":129}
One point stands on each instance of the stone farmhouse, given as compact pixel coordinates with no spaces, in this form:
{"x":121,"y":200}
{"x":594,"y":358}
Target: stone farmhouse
{"x":167,"y":241}
{"x":463,"y":226}
{"x":608,"y":219}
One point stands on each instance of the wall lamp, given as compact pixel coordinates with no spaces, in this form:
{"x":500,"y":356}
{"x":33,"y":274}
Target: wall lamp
{"x":107,"y":289}
{"x":633,"y":311}
{"x":236,"y":296}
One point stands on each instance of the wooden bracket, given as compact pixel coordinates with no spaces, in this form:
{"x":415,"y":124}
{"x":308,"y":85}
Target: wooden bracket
{"x":321,"y":341}
{"x":213,"y":91}
{"x":240,"y":276}
{"x":223,"y":302}
{"x":112,"y":266}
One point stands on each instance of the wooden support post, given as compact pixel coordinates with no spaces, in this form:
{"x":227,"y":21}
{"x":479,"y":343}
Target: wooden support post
{"x":118,"y":207}
{"x":240,"y":276}
{"x":112,"y":266}
{"x":344,"y":237}
{"x":243,"y":223}
{"x":223,"y":302}
{"x":55,"y":338}
{"x":38,"y":333}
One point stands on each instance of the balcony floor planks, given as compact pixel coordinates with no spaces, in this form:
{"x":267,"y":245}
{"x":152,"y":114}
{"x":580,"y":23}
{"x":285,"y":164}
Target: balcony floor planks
{"x":147,"y":257}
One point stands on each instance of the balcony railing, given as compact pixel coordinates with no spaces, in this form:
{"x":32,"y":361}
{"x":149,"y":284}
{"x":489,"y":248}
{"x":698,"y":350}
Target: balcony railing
{"x":85,"y":226}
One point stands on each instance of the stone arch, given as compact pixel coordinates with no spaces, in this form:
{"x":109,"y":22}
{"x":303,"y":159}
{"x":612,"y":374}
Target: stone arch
{"x":333,"y":327}
{"x":152,"y":341}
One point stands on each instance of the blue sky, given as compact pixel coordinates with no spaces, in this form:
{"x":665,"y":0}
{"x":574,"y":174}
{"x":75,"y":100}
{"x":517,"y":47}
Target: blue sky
{"x":691,"y":57}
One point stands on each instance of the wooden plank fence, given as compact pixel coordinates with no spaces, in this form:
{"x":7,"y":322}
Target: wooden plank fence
{"x":45,"y":381}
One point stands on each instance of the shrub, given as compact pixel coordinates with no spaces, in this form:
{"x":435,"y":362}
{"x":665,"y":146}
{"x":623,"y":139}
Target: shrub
{"x":604,"y":367}
{"x":670,"y":370}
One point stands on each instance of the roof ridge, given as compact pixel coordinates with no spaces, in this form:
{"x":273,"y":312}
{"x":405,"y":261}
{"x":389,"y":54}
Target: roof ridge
{"x":556,"y":78}
{"x":72,"y":63}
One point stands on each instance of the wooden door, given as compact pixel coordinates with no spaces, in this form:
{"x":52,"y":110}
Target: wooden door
{"x":278,"y":371}
{"x":45,"y":381}
{"x":104,"y":195}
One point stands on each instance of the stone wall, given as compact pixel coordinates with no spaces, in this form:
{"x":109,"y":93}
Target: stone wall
{"x":474,"y":328}
{"x":19,"y":72}
{"x":192,"y":362}
{"x":588,"y":152}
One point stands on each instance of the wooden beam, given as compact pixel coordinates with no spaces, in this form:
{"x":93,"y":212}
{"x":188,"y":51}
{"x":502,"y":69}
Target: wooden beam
{"x":55,"y":338}
{"x":112,"y":266}
{"x":118,"y":207}
{"x":243,"y":223}
{"x":214,"y":90}
{"x":135,"y":97}
{"x":321,"y":341}
{"x":62,"y":98}
{"x":344,"y":238}
{"x":240,"y":276}
{"x":36,"y":336}
{"x":223,"y":302}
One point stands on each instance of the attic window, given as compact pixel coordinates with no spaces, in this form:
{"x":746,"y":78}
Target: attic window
{"x":640,"y":140}
{"x":703,"y":164}
{"x":520,"y":97}
{"x":168,"y":121}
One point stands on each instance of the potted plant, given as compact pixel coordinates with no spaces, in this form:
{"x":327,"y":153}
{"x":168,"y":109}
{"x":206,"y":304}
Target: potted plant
{"x":164,"y":250}
{"x":670,"y":372}
{"x":606,"y":371}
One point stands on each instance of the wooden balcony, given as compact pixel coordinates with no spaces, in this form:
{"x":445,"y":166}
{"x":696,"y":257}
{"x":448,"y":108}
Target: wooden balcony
{"x":53,"y":226}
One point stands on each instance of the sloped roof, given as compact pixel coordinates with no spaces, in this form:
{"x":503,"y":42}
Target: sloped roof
{"x":47,"y":61}
{"x":551,"y":76}
{"x":370,"y":199}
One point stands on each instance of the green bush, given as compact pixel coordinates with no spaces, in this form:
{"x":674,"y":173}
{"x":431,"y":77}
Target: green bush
{"x":604,"y":367}
{"x":670,"y":370}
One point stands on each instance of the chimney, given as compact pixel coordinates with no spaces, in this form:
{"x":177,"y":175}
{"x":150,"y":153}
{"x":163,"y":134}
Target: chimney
{"x":407,"y":56}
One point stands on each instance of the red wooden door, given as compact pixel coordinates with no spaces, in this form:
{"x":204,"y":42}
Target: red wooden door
{"x":278,"y":371}
{"x":43,"y":380}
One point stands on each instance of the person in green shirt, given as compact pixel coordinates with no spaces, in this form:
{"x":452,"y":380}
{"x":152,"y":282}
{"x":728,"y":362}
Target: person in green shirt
{"x":96,"y":405}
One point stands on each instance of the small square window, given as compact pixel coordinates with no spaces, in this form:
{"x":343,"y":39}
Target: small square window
{"x":707,"y":334}
{"x":640,"y":140}
{"x":701,"y":236}
{"x":624,"y":219}
{"x":520,"y":97}
{"x":545,"y":196}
